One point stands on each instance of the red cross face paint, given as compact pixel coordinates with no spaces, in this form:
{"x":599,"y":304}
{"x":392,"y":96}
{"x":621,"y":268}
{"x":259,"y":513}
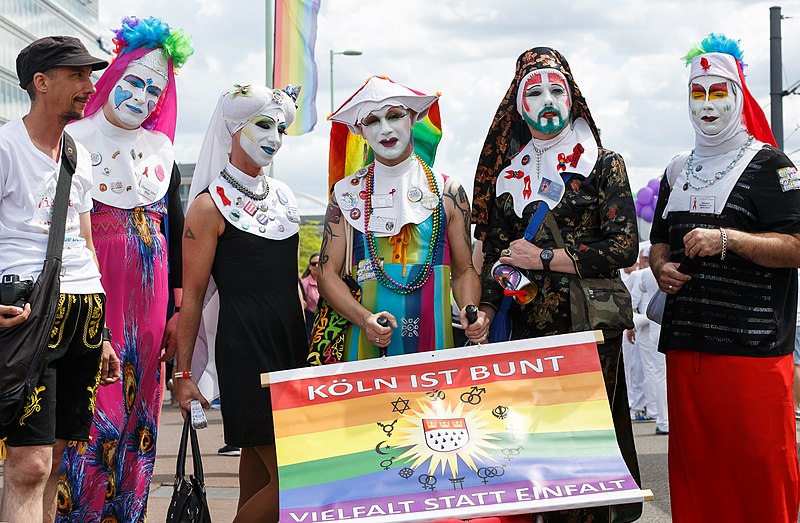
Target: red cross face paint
{"x":545,"y":102}
{"x":712,"y":100}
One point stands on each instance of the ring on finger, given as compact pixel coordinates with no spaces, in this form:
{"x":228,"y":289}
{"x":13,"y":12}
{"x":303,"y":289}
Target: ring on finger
{"x":670,"y":287}
{"x":506,"y":252}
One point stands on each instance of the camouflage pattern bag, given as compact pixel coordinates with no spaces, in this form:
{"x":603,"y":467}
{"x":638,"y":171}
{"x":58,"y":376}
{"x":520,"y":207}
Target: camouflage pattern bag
{"x":600,"y":303}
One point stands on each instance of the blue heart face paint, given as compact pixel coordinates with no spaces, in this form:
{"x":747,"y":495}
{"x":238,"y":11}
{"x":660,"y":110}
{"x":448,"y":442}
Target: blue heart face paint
{"x":134,"y":97}
{"x":263,"y":136}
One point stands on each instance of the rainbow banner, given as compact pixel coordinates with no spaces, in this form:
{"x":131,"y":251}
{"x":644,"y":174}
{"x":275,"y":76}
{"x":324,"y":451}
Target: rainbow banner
{"x":506,"y":428}
{"x":295,"y":36}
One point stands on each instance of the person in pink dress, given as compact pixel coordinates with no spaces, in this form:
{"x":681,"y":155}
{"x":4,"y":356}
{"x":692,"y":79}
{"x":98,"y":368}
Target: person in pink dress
{"x":137,"y":221}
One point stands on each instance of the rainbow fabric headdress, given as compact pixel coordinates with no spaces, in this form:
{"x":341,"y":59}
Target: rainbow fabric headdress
{"x":350,"y":152}
{"x":719,"y":55}
{"x":135,"y":39}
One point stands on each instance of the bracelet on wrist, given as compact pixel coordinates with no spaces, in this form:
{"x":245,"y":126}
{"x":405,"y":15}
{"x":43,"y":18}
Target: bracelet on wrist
{"x":106,"y":334}
{"x":724,"y":235}
{"x":182,"y":375}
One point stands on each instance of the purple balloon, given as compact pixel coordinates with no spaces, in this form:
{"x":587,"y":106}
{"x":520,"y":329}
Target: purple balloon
{"x":645,"y":195}
{"x":638,"y":204}
{"x":647,"y":213}
{"x":654,"y":184}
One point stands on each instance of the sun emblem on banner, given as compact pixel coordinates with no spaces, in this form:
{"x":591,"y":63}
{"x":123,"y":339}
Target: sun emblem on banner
{"x":442,"y":435}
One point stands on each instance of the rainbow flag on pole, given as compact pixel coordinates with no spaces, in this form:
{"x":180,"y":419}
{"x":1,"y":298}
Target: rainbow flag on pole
{"x":295,"y":37}
{"x":506,"y":428}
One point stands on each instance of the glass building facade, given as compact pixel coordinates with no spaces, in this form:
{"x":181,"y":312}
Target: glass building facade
{"x":23,"y":21}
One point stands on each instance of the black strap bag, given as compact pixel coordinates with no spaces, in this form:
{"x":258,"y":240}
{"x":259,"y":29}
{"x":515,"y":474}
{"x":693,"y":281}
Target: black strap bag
{"x":189,"y":504}
{"x":23,"y":346}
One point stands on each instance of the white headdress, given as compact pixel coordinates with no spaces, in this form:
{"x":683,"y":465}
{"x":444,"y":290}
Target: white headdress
{"x":379,"y":92}
{"x":235,"y":108}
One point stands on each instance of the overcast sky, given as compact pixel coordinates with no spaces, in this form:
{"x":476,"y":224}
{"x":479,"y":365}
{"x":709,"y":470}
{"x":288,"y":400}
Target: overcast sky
{"x":625,"y":56}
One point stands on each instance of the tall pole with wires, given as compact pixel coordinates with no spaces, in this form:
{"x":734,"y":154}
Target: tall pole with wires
{"x":776,"y":92}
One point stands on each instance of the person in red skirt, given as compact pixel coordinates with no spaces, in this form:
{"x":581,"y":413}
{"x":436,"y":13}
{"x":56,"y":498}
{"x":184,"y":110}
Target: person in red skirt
{"x":725,"y":242}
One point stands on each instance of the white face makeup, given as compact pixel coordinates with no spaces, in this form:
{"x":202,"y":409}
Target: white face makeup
{"x":134,"y":96}
{"x":388,"y":132}
{"x":712,"y":101}
{"x":263,"y":135}
{"x":546,"y":102}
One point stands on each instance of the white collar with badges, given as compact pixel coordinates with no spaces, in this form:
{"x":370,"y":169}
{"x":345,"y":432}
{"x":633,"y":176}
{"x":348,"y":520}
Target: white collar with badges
{"x":535,"y":172}
{"x":706,"y":189}
{"x":402,"y":195}
{"x":275,"y":216}
{"x":130,"y":168}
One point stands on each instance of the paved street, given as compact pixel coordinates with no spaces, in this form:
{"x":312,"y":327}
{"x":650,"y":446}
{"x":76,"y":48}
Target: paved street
{"x":221,"y":471}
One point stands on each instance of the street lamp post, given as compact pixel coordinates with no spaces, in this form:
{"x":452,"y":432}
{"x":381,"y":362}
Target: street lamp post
{"x":348,"y":52}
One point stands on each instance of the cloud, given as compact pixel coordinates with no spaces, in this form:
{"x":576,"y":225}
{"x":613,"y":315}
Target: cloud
{"x":625,"y":56}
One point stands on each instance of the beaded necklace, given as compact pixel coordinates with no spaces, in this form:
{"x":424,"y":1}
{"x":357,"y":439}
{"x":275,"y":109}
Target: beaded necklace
{"x":244,"y":190}
{"x":708,"y":182}
{"x":423,"y":275}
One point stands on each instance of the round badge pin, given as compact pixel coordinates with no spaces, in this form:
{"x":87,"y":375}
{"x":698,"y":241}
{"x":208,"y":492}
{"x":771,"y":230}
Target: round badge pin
{"x":239,"y":202}
{"x":262,"y":218}
{"x":361,"y":173}
{"x":103,"y":187}
{"x":430,"y":201}
{"x":106,"y":171}
{"x":235,"y":215}
{"x":526,"y":159}
{"x":355,"y":214}
{"x":282,"y":197}
{"x":245,"y":226}
{"x":263,"y":207}
{"x":355,"y":181}
{"x":347,"y":201}
{"x":160,"y":173}
{"x":362,"y":195}
{"x":414,"y":194}
{"x":96,"y":158}
{"x":117,"y":186}
{"x":281,"y":228}
{"x":262,"y":229}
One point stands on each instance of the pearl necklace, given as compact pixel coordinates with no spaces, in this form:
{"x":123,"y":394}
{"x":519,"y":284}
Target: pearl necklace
{"x":244,"y":190}
{"x":708,"y":182}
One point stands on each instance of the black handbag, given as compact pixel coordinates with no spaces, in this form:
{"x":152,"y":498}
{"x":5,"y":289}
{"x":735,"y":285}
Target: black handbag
{"x":24,"y":345}
{"x":189,"y":504}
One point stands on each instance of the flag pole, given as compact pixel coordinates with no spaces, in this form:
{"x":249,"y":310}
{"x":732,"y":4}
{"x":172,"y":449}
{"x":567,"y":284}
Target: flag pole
{"x":270,"y":58}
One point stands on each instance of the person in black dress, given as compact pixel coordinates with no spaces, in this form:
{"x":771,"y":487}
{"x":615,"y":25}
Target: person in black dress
{"x":242,"y":230}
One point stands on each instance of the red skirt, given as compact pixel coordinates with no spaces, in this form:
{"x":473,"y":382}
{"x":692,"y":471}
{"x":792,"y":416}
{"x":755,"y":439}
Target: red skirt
{"x":732,"y":439}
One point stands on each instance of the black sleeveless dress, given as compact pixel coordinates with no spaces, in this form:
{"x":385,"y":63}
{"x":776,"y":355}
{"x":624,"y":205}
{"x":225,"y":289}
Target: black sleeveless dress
{"x":261,"y":328}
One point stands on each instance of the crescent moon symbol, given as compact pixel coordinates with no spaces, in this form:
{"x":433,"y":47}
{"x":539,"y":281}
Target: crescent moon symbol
{"x":378,"y":448}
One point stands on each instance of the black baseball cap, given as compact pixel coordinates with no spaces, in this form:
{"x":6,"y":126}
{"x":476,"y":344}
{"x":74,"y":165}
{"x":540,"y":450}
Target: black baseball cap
{"x":54,"y":51}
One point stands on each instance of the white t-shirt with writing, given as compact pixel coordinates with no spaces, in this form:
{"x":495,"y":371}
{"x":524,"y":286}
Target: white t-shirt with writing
{"x":28,"y":180}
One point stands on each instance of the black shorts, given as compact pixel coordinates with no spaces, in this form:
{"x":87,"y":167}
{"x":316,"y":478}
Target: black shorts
{"x":62,"y":403}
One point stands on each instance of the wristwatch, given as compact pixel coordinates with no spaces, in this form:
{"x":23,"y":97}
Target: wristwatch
{"x":107,"y":334}
{"x":546,"y":256}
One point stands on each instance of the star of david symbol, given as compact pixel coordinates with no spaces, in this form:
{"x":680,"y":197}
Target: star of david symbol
{"x":400,"y":405}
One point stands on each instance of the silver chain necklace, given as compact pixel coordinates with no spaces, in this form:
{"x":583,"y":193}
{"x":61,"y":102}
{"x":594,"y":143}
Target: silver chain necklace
{"x":539,"y":153}
{"x":244,"y":190}
{"x":708,"y":182}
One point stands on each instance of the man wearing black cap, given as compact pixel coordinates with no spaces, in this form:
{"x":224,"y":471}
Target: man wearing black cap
{"x":55,"y":71}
